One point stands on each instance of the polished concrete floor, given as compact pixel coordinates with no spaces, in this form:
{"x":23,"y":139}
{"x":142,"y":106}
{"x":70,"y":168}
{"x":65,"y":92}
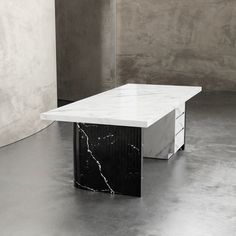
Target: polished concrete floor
{"x":193,"y":194}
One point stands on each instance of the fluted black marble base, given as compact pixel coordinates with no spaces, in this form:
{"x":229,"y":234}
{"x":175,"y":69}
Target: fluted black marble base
{"x":108,"y":158}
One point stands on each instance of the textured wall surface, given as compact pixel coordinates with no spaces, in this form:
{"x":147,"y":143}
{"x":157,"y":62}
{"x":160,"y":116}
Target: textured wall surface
{"x":85,"y":47}
{"x":27,"y":66}
{"x":177,"y":42}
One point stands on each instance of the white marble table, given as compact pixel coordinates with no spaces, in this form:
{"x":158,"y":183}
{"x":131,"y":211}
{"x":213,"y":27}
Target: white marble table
{"x":115,"y":129}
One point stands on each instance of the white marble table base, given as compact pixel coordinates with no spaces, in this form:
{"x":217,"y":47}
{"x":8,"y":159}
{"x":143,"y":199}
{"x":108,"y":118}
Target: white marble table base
{"x":164,"y":138}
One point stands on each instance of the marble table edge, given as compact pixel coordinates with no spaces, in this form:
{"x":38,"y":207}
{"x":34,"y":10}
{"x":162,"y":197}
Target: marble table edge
{"x":102,"y":121}
{"x":116,"y":122}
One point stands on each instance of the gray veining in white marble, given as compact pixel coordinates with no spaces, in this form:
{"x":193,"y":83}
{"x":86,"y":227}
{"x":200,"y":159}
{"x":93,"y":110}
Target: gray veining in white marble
{"x":137,"y":105}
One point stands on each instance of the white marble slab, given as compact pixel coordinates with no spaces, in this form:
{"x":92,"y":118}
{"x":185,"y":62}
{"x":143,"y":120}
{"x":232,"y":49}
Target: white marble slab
{"x":179,"y":140}
{"x":159,"y":139}
{"x":137,"y":105}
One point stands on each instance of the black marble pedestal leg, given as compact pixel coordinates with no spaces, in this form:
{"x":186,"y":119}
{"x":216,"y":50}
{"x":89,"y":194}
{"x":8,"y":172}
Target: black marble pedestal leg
{"x":108,"y":158}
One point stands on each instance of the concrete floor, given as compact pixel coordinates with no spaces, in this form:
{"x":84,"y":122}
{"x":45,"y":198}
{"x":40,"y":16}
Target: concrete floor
{"x":193,"y":194}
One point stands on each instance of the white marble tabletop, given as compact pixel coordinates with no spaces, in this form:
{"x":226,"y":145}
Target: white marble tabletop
{"x":136,"y":105}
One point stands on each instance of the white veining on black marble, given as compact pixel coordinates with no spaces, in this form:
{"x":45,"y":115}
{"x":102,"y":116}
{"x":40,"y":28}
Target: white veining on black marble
{"x":94,"y":158}
{"x":88,"y":188}
{"x":108,"y":136}
{"x":91,"y":189}
{"x":134,"y":147}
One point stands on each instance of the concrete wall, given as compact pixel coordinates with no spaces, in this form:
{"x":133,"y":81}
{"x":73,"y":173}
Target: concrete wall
{"x":85,"y":47}
{"x":27,"y":66}
{"x":185,"y":42}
